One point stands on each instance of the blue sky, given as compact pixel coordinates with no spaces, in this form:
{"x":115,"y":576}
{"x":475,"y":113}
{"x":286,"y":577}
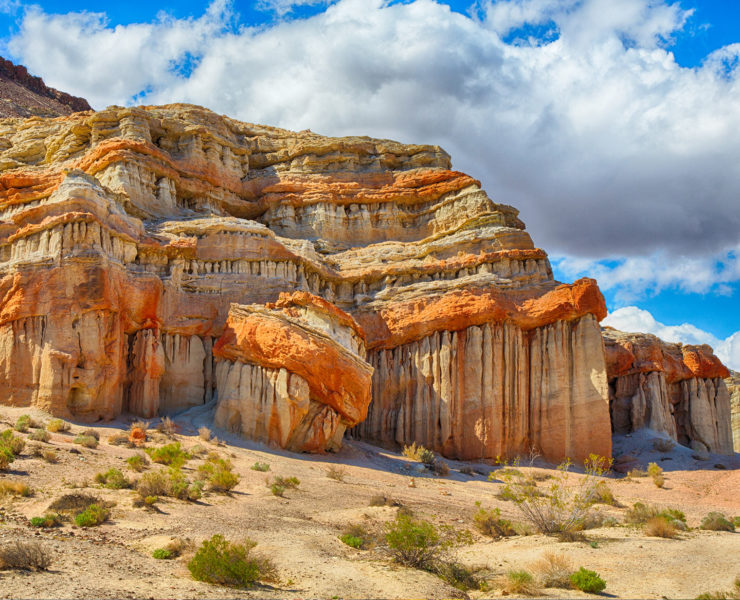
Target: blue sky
{"x":610,"y":125}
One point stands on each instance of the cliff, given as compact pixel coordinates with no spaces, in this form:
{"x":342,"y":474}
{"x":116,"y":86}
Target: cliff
{"x":23,"y":95}
{"x":733,"y":386}
{"x":671,"y":388}
{"x":154,"y":258}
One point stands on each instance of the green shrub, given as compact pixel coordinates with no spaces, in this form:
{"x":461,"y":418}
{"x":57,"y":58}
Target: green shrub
{"x":604,"y":495}
{"x":277,"y":490}
{"x":587,"y":581}
{"x":219,"y":475}
{"x":56,"y":425}
{"x":50,"y":456}
{"x":11,"y":442}
{"x":170,"y":454}
{"x":260,"y":466}
{"x":641,"y":513}
{"x":6,"y":457}
{"x":279,"y":484}
{"x":40,"y":435}
{"x":412,"y":542}
{"x":519,"y":583}
{"x":351,"y":540}
{"x":48,"y":520}
{"x":419,"y":454}
{"x":716,"y":521}
{"x":489,"y":522}
{"x":162,"y":554}
{"x":171,"y":483}
{"x":23,"y":423}
{"x":88,"y":441}
{"x":225,"y":563}
{"x":91,"y":433}
{"x":733,"y":594}
{"x":93,"y":515}
{"x":356,"y":536}
{"x":137,"y":462}
{"x":112,"y":479}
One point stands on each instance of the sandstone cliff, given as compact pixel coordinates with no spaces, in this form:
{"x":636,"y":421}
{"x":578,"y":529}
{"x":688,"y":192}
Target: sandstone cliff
{"x":733,"y":385}
{"x":670,"y":388}
{"x":23,"y":95}
{"x":154,"y":258}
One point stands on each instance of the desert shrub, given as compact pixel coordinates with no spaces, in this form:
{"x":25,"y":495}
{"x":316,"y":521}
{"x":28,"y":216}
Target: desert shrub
{"x":6,"y":457}
{"x":112,"y":479}
{"x":50,"y":456}
{"x":137,"y":462}
{"x":519,"y":583}
{"x":119,"y":439}
{"x":277,"y":490}
{"x":137,"y":436}
{"x":170,"y":454}
{"x":14,"y":488}
{"x":57,"y":425}
{"x":336,"y":473}
{"x":39,"y":435}
{"x":587,"y":581}
{"x":659,"y":481}
{"x":171,"y":483}
{"x":162,"y":554}
{"x":12,"y":443}
{"x":380,"y":500}
{"x":23,"y":423}
{"x":219,"y":475}
{"x":91,"y":433}
{"x":289,"y":483}
{"x":563,"y":508}
{"x":88,"y":441}
{"x":653,"y":470}
{"x":204,"y":433}
{"x":736,"y":521}
{"x":663,"y":445}
{"x":74,"y":503}
{"x":226,"y":563}
{"x":419,"y":454}
{"x":467,"y":470}
{"x":92,"y":516}
{"x":440,"y":467}
{"x":260,"y":466}
{"x":716,"y":521}
{"x":489,"y":522}
{"x":554,"y":570}
{"x":636,"y":473}
{"x":28,"y":556}
{"x":412,"y":542}
{"x":167,"y":426}
{"x":660,"y":526}
{"x":48,"y":520}
{"x":197,"y":450}
{"x":356,"y":536}
{"x":641,"y":513}
{"x":733,"y":594}
{"x":603,"y":494}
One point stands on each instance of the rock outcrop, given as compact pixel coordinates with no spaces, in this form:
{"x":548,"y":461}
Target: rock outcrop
{"x":671,"y":388}
{"x":155,"y":258}
{"x":733,"y":385}
{"x":23,"y":95}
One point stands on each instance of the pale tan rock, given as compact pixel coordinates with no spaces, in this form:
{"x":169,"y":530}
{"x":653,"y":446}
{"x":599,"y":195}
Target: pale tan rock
{"x":733,"y":386}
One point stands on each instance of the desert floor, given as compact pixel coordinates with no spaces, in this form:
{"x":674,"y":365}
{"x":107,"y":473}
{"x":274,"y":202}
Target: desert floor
{"x":300,"y":531}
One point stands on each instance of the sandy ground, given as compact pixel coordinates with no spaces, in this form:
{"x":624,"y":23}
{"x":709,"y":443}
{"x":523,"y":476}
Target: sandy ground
{"x":300,"y":532}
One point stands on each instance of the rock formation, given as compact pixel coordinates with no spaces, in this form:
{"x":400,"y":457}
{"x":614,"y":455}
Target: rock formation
{"x":155,"y":258}
{"x":671,"y":388}
{"x":23,"y":95}
{"x":733,"y":385}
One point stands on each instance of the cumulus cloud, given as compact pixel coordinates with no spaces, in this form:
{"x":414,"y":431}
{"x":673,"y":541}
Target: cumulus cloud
{"x":634,"y":319}
{"x":607,"y":146}
{"x":283,"y":7}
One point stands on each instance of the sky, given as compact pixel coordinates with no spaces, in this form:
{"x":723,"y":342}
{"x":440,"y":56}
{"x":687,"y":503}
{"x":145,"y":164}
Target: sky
{"x":612,"y":126}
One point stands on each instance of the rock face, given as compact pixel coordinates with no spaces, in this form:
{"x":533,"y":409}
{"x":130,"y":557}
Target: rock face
{"x":155,"y":258}
{"x":733,"y":385}
{"x":23,"y":95}
{"x":670,"y":388}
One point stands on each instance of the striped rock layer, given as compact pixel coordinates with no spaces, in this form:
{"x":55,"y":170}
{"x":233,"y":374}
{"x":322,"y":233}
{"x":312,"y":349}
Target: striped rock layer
{"x":158,"y":258}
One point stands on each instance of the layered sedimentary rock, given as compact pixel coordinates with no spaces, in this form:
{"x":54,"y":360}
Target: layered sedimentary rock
{"x":23,"y":95}
{"x":671,"y":388}
{"x":733,"y":385}
{"x":128,"y":235}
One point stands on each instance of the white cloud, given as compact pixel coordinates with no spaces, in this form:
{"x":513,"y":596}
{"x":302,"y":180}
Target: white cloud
{"x":633,"y":319}
{"x":283,"y":7}
{"x":607,"y":146}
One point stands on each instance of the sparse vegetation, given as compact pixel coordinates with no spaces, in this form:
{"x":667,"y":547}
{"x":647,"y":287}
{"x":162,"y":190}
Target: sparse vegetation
{"x":554,"y":570}
{"x":93,"y":515}
{"x":565,"y":506}
{"x":48,"y":520}
{"x":162,"y":554}
{"x":112,"y":479}
{"x":419,"y":454}
{"x":167,"y":426}
{"x":279,"y":484}
{"x":219,"y":474}
{"x":50,"y":456}
{"x":27,"y":556}
{"x":716,"y":521}
{"x":733,"y":594}
{"x":587,"y":581}
{"x":171,"y":455}
{"x":39,"y":435}
{"x":413,"y":543}
{"x":656,"y":473}
{"x":519,"y":583}
{"x":356,"y":536}
{"x":260,"y":466}
{"x":23,"y":423}
{"x":137,"y":462}
{"x":641,"y":513}
{"x":171,"y":483}
{"x":490,"y":523}
{"x":57,"y":425}
{"x":337,"y":473}
{"x":660,"y":526}
{"x":205,"y":434}
{"x":119,"y":439}
{"x":91,"y":433}
{"x":74,"y":503}
{"x":636,"y":473}
{"x":88,"y":441}
{"x":14,"y":488}
{"x":11,"y":446}
{"x":226,"y":563}
{"x":604,"y":495}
